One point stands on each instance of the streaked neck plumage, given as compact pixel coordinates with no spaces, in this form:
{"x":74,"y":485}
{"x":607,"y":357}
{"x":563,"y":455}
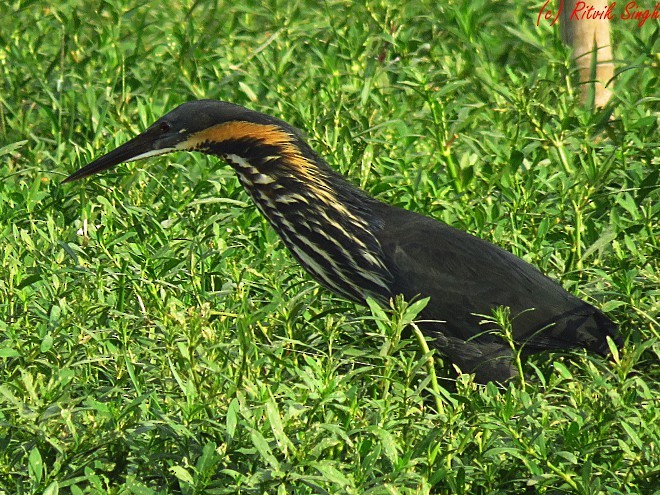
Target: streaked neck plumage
{"x":319,"y":215}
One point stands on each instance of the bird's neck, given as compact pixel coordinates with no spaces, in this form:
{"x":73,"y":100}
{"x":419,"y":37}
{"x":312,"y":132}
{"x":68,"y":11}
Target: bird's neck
{"x":327,"y":223}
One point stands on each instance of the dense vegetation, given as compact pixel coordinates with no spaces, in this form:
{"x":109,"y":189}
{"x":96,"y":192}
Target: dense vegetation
{"x":155,"y":335}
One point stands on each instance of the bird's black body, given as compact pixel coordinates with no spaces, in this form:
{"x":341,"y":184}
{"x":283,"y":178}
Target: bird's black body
{"x":360,"y":247}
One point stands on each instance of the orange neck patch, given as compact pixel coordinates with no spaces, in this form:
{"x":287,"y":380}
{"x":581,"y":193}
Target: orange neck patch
{"x":270,"y":135}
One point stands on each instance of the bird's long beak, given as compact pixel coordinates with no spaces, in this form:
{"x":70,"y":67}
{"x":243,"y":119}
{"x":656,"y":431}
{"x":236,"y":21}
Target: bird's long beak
{"x":142,"y":146}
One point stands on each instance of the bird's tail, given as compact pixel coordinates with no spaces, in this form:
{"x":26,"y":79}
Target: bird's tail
{"x":605,"y":328}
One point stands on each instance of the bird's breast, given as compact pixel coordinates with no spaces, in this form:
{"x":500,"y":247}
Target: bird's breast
{"x":333,"y":244}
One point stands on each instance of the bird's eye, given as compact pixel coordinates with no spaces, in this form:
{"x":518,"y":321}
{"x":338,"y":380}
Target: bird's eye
{"x":165,"y":127}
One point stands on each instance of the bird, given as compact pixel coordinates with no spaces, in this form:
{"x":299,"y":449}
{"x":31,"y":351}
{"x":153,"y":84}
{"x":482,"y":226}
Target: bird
{"x":359,"y":247}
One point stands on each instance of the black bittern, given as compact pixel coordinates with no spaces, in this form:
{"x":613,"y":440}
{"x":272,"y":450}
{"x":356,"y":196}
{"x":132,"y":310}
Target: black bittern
{"x":359,"y":247}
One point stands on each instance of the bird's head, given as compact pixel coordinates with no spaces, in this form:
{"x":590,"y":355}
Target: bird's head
{"x":192,"y":126}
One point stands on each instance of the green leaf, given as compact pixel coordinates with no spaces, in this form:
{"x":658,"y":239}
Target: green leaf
{"x":632,"y":434}
{"x":627,"y":202}
{"x":208,"y":460}
{"x":46,"y":343}
{"x":35,"y":465}
{"x":562,"y":370}
{"x":606,"y":237}
{"x":264,"y":449}
{"x":182,"y":474}
{"x":252,"y":96}
{"x":11,"y":147}
{"x":376,"y":310}
{"x":137,"y":488}
{"x":648,"y":185}
{"x":6,"y":352}
{"x":232,"y":418}
{"x":331,"y":473}
{"x":273,"y":415}
{"x":52,"y":489}
{"x":569,"y":456}
{"x":413,"y":311}
{"x":612,"y":305}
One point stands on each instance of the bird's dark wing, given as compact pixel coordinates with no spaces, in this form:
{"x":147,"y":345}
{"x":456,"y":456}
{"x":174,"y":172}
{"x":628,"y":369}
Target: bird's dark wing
{"x":466,"y":276}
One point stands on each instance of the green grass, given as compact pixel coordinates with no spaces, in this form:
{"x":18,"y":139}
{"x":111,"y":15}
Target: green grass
{"x":156,"y":337}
